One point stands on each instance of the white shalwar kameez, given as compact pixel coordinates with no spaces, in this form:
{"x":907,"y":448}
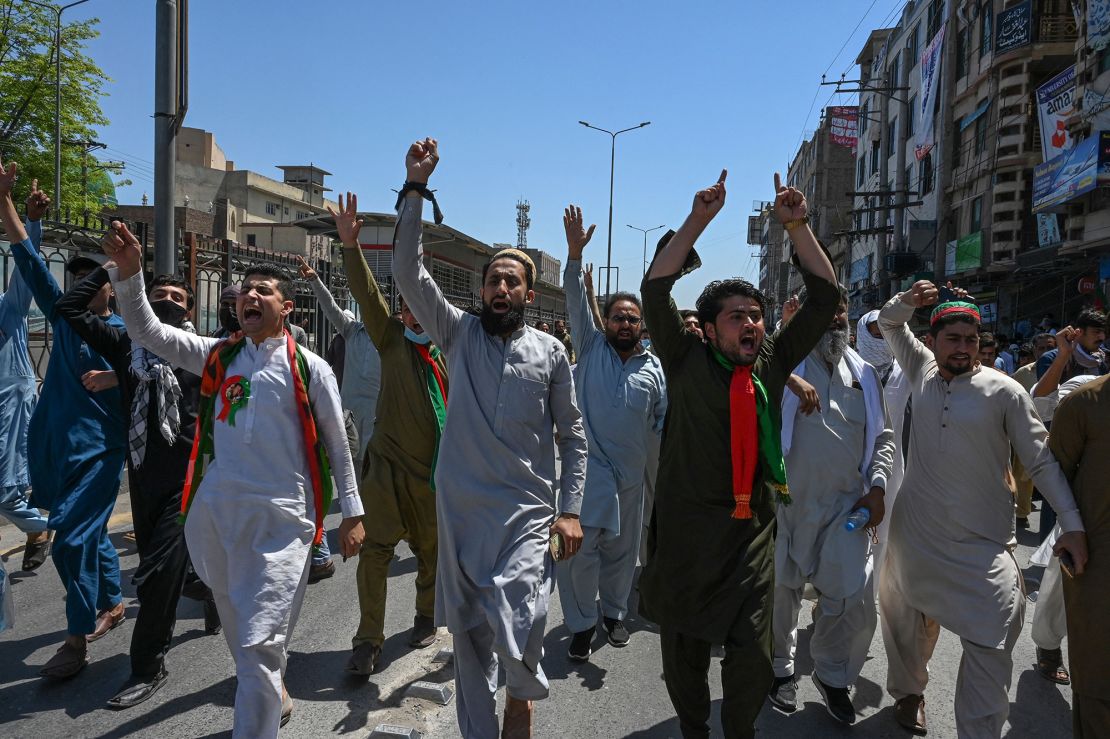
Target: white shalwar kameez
{"x":833,"y":458}
{"x":950,"y":559}
{"x":495,"y":487}
{"x":251,"y":522}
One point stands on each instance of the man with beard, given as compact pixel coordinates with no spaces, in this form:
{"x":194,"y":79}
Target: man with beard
{"x":690,"y":321}
{"x":398,"y":485}
{"x":710,"y":569}
{"x":496,"y":481}
{"x":161,"y":403}
{"x":563,"y":335}
{"x":849,"y":432}
{"x":229,"y":322}
{"x":257,"y":488}
{"x":623,"y":398}
{"x":75,"y":442}
{"x":950,"y":557}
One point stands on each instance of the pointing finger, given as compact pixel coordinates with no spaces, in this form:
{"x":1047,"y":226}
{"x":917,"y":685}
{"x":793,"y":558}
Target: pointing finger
{"x":778,"y":183}
{"x":724,"y":174}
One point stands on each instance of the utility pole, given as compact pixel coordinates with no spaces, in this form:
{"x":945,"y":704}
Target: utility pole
{"x":170,"y":105}
{"x":885,"y":146}
{"x":645,"y":232}
{"x":888,"y":287}
{"x":947,"y":84}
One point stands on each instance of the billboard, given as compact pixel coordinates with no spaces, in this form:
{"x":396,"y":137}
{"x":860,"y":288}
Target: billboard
{"x":1055,"y":104}
{"x":1071,"y":174}
{"x":965,"y":254}
{"x":844,"y":125}
{"x":1014,"y":28}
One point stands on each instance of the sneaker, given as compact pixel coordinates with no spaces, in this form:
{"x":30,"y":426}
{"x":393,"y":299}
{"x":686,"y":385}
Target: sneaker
{"x":784,"y":694}
{"x":617,"y":633}
{"x":579,"y":650}
{"x":837,"y":702}
{"x":319,"y":572}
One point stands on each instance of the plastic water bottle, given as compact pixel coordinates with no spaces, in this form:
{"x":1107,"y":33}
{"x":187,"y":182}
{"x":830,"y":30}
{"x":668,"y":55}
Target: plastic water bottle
{"x":857,"y":519}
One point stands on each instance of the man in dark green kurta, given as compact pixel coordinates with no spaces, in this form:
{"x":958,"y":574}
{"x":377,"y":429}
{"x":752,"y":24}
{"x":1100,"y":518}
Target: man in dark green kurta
{"x":710,"y":566}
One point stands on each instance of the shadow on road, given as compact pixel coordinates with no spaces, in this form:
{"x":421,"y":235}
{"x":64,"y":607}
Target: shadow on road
{"x":220,"y":694}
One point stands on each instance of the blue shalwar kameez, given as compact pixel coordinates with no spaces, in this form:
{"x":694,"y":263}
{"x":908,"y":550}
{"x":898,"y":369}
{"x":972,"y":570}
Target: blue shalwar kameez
{"x":77,"y":441}
{"x":17,"y":401}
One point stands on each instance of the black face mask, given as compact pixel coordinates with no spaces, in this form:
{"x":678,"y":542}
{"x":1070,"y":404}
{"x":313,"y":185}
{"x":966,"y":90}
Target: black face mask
{"x":169,"y":312}
{"x":228,"y":319}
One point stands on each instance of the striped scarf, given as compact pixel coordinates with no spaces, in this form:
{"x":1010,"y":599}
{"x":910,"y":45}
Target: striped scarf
{"x":212,"y":381}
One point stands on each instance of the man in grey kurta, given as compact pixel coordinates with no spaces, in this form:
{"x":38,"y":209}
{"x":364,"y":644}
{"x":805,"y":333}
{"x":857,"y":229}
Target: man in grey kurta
{"x":950,"y":561}
{"x":838,"y":459}
{"x":622,"y":395}
{"x":495,"y":480}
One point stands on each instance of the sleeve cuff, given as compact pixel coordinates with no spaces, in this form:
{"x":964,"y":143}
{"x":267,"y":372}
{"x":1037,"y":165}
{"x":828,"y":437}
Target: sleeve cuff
{"x":571,"y":504}
{"x":130,"y":287}
{"x":351,"y":505}
{"x":897,"y":311}
{"x":1070,"y":521}
{"x":878,"y":480}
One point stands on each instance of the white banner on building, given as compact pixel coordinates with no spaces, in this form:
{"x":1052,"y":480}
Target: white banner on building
{"x":1098,"y":24}
{"x":930,"y":87}
{"x":1048,"y":229}
{"x":1055,"y":104}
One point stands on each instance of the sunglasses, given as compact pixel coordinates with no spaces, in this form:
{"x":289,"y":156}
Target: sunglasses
{"x":630,"y":320}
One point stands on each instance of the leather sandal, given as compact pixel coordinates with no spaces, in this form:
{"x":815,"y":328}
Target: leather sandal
{"x":1050,"y":663}
{"x":137,"y":689}
{"x":909,"y":712}
{"x":286,"y":707}
{"x":36,"y":552}
{"x":106,"y":621}
{"x":66,"y":662}
{"x":518,"y":719}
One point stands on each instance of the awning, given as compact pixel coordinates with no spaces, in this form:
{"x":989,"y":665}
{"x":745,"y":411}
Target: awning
{"x":970,"y":117}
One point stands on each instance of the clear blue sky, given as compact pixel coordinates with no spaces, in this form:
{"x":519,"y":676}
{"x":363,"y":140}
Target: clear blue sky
{"x":348,"y":85}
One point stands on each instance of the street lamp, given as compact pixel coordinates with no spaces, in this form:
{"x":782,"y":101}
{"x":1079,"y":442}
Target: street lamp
{"x":57,"y":194}
{"x":645,"y":232}
{"x":612,"y":163}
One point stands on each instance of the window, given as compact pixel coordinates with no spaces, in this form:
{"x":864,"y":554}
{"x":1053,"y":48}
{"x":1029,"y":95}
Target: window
{"x":986,"y":32}
{"x":915,"y":45}
{"x":252,"y":240}
{"x":980,"y":134}
{"x":925,"y":174}
{"x":936,"y":15}
{"x":863,"y":120}
{"x":271,"y":208}
{"x":895,"y":68}
{"x":871,"y":210}
{"x":961,"y":52}
{"x":891,"y":136}
{"x":911,"y":116}
{"x":909,"y":182}
{"x":875,"y":153}
{"x":301,"y":215}
{"x":976,"y":215}
{"x":859,"y":171}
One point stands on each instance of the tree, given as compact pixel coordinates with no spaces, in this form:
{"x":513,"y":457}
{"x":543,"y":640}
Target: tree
{"x":27,"y":98}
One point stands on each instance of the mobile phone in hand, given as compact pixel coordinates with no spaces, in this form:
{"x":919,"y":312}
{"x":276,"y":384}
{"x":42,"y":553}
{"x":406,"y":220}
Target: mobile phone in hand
{"x":1067,"y":564}
{"x":946,"y":294}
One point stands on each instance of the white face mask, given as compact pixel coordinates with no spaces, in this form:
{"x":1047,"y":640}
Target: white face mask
{"x":417,"y":338}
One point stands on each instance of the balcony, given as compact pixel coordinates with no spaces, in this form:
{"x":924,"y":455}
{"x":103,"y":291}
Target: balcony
{"x":1057,"y":29}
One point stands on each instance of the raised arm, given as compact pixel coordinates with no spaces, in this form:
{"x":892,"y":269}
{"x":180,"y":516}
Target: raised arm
{"x":180,"y":348}
{"x":28,"y":261}
{"x":585,"y":334}
{"x":669,"y":261}
{"x":913,"y":356}
{"x":364,"y":288}
{"x":1048,"y":381}
{"x":104,"y":338}
{"x":438,"y":317}
{"x":343,"y":323}
{"x":18,"y":295}
{"x":595,"y":312}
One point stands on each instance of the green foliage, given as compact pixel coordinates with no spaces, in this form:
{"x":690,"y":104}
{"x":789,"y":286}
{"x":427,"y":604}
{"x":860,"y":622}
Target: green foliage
{"x":27,"y":78}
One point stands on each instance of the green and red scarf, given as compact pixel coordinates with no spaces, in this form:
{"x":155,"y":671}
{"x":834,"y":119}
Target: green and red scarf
{"x":754,"y":438}
{"x":235,"y":393}
{"x":437,"y":393}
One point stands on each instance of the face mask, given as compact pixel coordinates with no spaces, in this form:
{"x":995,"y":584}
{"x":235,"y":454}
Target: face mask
{"x":228,"y":319}
{"x":169,"y":312}
{"x":416,"y":338}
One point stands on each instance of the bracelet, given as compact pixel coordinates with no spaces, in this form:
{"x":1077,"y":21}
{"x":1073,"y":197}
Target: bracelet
{"x":425,"y":192}
{"x":791,"y":225}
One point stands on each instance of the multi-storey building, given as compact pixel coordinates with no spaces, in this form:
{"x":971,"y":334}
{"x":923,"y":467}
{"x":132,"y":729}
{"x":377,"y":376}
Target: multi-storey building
{"x":766,"y":233}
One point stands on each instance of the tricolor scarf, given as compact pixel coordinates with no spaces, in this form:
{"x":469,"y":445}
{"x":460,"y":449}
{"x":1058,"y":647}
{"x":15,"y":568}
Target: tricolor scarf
{"x":211,"y":384}
{"x":437,"y":393}
{"x":753,"y":436}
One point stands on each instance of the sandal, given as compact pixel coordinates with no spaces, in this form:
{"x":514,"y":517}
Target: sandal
{"x":36,"y":552}
{"x":106,"y":621}
{"x":286,"y":707}
{"x":66,"y":662}
{"x":1050,"y":663}
{"x":518,"y":719}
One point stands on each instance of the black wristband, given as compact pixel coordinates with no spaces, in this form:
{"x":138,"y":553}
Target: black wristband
{"x":425,"y":192}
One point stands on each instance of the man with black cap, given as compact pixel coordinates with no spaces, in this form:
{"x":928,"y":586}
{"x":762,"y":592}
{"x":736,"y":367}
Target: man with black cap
{"x":950,"y":556}
{"x":76,"y":446}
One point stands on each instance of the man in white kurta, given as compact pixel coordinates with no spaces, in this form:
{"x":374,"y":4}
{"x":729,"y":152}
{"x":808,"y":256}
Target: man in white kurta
{"x":838,"y":459}
{"x":251,"y":522}
{"x":950,"y":559}
{"x":622,"y":394}
{"x":496,"y":481}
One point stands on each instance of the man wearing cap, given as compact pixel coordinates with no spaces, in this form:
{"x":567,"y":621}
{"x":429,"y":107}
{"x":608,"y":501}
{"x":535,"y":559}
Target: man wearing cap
{"x":950,"y":561}
{"x":76,"y":445}
{"x":229,"y":321}
{"x":497,"y":483}
{"x":398,"y":489}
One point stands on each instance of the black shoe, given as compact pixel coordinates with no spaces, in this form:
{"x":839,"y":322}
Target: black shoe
{"x":1022,"y":522}
{"x":615,"y":630}
{"x":212,"y":624}
{"x":579,"y":650}
{"x":35,"y":554}
{"x":423,"y":632}
{"x":784,"y":694}
{"x":316,"y":573}
{"x":364,"y":660}
{"x":837,"y":702}
{"x":195,"y":589}
{"x":137,"y":689}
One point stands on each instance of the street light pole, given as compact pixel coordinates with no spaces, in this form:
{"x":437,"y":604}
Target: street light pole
{"x":57,"y":194}
{"x":645,"y":232}
{"x":612,"y":166}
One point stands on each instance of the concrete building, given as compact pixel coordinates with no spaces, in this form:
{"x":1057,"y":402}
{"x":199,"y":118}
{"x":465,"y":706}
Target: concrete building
{"x":766,"y":233}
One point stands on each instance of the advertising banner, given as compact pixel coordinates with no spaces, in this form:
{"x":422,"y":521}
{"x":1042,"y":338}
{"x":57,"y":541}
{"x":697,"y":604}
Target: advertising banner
{"x":1014,"y":28}
{"x":1071,"y":174}
{"x":930,"y":87}
{"x":1098,"y":24}
{"x":1055,"y":104}
{"x":844,"y":125}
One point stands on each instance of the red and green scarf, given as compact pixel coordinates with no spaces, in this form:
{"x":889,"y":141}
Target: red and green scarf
{"x":437,"y":393}
{"x":754,"y":438}
{"x":235,"y":392}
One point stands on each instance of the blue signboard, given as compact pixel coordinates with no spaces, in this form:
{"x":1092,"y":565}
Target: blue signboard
{"x":1014,"y":28}
{"x":1071,"y":174}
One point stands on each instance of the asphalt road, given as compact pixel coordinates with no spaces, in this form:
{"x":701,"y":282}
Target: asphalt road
{"x":619,"y":693}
